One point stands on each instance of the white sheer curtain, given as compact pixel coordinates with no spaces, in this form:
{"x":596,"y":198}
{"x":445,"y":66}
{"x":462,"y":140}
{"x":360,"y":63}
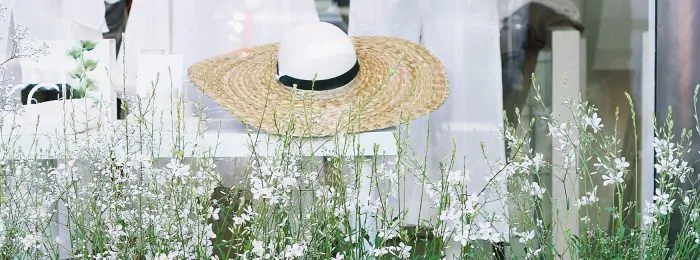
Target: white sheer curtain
{"x":464,"y":35}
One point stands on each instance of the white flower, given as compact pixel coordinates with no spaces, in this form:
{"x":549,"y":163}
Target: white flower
{"x":660,"y":196}
{"x":648,"y":220}
{"x":294,"y":251}
{"x":240,"y":220}
{"x":536,"y":190}
{"x":170,"y":256}
{"x":662,"y":204}
{"x":210,"y":232}
{"x":457,"y":177}
{"x":593,"y":122}
{"x":338,"y":256}
{"x":258,"y":248}
{"x":533,"y":254}
{"x":585,"y":219}
{"x":621,"y":164}
{"x":260,"y":190}
{"x":380,"y":251}
{"x":588,"y":199}
{"x":403,"y":251}
{"x":488,"y":233}
{"x":388,"y":233}
{"x":538,"y":161}
{"x":558,"y":131}
{"x":288,"y":182}
{"x":213,"y":213}
{"x":661,"y":146}
{"x":29,"y":241}
{"x":524,"y":237}
{"x":612,"y":178}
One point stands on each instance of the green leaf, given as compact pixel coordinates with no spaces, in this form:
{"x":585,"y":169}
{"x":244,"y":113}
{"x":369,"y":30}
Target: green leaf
{"x":88,"y":45}
{"x":75,"y":53}
{"x":621,"y":231}
{"x":90,"y":65}
{"x":75,"y":75}
{"x":78,"y":93}
{"x":90,"y":84}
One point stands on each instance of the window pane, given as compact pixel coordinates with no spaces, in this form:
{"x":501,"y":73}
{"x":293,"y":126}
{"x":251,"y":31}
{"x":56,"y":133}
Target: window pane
{"x":611,"y":66}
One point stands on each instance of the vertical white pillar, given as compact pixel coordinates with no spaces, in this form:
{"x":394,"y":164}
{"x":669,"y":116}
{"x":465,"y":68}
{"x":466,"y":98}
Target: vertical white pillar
{"x":647,"y":107}
{"x":566,"y":80}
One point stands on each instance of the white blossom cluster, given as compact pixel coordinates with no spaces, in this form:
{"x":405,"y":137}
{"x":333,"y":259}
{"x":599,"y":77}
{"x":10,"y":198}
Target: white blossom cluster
{"x":668,"y":161}
{"x":671,"y":170}
{"x":278,"y":186}
{"x":613,"y":174}
{"x":458,"y":211}
{"x":139,"y":209}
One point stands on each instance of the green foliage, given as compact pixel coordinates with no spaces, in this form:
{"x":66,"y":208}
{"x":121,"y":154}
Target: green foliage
{"x":90,"y":65}
{"x":80,"y":73}
{"x":88,"y":45}
{"x":75,"y":53}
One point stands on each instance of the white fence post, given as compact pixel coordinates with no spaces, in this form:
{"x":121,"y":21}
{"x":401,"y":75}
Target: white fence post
{"x":566,"y":83}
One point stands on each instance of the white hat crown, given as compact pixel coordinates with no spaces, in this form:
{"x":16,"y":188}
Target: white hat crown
{"x":315,"y":51}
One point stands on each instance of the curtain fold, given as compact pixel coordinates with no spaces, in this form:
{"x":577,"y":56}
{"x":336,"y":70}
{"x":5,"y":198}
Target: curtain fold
{"x":465,"y":36}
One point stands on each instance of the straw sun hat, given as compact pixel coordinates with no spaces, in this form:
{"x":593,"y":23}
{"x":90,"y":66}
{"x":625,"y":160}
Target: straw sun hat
{"x":319,"y":82}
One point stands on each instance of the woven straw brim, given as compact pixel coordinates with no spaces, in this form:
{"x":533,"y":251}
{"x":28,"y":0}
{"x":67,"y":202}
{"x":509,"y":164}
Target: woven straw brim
{"x":398,"y":81}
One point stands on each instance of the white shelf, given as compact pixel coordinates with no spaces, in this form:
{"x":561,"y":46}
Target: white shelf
{"x":218,"y":143}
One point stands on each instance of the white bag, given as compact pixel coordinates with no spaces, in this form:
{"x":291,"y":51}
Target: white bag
{"x":61,"y":116}
{"x":72,"y":115}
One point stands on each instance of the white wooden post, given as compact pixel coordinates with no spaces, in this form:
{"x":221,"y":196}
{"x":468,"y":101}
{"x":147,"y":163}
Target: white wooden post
{"x":647,"y":107}
{"x":565,"y":183}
